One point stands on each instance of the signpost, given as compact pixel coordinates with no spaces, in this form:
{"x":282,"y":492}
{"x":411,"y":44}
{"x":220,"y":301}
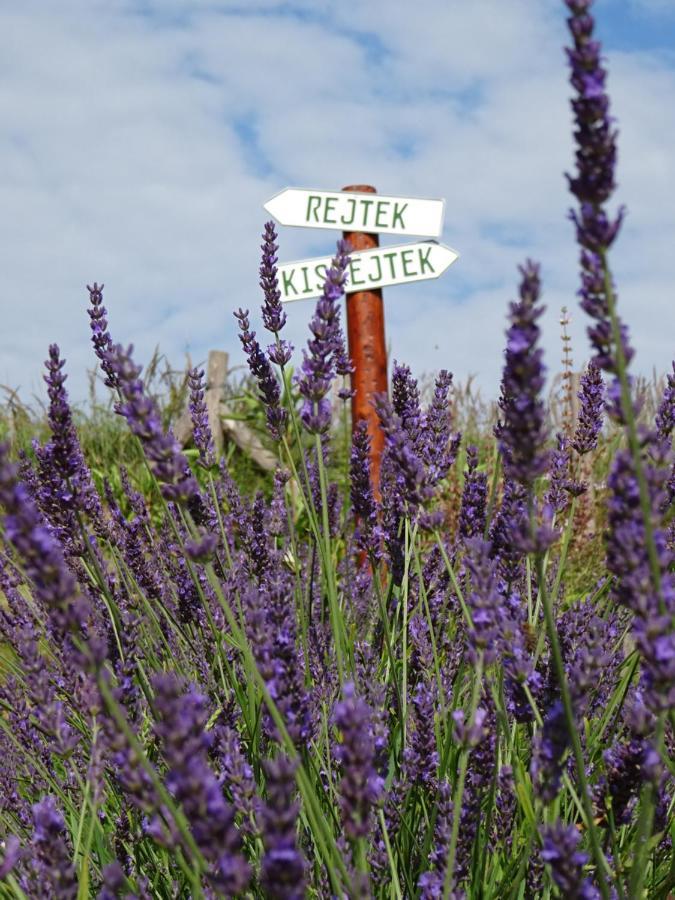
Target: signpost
{"x":361,"y":217}
{"x":367,"y":350}
{"x":368,"y":269}
{"x":351,"y":211}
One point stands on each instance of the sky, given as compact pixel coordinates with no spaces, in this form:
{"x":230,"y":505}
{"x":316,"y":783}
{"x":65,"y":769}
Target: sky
{"x":139,"y":140}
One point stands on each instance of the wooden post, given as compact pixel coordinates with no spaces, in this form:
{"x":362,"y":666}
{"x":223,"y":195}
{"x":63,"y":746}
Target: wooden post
{"x":367,"y":348}
{"x":216,"y":378}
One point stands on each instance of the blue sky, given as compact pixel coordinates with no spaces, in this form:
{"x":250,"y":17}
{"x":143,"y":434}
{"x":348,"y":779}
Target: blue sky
{"x":139,"y":140}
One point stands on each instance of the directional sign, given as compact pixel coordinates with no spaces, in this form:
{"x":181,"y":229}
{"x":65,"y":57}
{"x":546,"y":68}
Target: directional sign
{"x":357,"y":212}
{"x":367,"y":270}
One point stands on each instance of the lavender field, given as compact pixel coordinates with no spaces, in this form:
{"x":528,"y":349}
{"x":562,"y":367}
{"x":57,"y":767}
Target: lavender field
{"x":456,"y":683}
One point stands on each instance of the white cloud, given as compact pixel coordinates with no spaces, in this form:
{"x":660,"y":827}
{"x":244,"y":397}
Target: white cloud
{"x":137,"y":149}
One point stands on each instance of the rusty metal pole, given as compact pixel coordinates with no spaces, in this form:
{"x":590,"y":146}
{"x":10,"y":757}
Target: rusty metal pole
{"x":367,"y":349}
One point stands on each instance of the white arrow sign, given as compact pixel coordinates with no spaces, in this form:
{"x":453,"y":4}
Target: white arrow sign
{"x":368,"y":269}
{"x":357,"y":212}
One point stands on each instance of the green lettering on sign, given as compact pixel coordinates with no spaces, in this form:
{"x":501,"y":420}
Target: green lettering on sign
{"x":424,"y":260}
{"x":287,"y":282}
{"x":398,"y":215}
{"x":376,"y":260}
{"x":366,"y":204}
{"x":345,"y":221}
{"x":406,"y":259}
{"x":317,"y":203}
{"x":381,"y":210}
{"x":391,"y":257}
{"x":329,"y":208}
{"x":354,"y":267}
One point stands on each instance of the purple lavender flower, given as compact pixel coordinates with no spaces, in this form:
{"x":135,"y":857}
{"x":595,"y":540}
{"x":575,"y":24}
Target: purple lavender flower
{"x":506,"y":525}
{"x":626,"y":771}
{"x":271,"y":629}
{"x":405,"y":398}
{"x":283,"y":869}
{"x":327,"y":356}
{"x":421,"y":756}
{"x":522,"y":430}
{"x":431,"y":882}
{"x":182,"y":718}
{"x":364,"y":505}
{"x":260,"y":368}
{"x":54,"y":586}
{"x":63,"y":453}
{"x":516,"y":646}
{"x":360,"y":785}
{"x":591,"y":397}
{"x":567,"y":862}
{"x":665,"y":417}
{"x":473,"y":506}
{"x":237,"y":775}
{"x":557,"y":496}
{"x":278,"y":516}
{"x":439,"y":450}
{"x":549,"y":748}
{"x":100,"y":336}
{"x":628,"y":561}
{"x":63,"y":485}
{"x":113,"y":881}
{"x":407,"y":468}
{"x":484,"y":601}
{"x":201,"y":430}
{"x":469,"y":734}
{"x":505,"y":808}
{"x":125,"y":764}
{"x":11,"y":855}
{"x":273,"y":315}
{"x":560,"y":486}
{"x":169,"y":465}
{"x":201,"y":548}
{"x":480,"y":775}
{"x":52,"y":867}
{"x":586,"y":641}
{"x":255,"y":539}
{"x":287,"y":686}
{"x":594,"y":182}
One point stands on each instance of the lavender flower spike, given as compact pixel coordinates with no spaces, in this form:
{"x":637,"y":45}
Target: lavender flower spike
{"x":439,"y":450}
{"x":360,"y":785}
{"x":11,"y":855}
{"x":67,"y":483}
{"x":169,"y":465}
{"x":566,"y":862}
{"x":201,"y":430}
{"x":364,"y":505}
{"x":268,"y":386}
{"x":182,"y":719}
{"x":283,"y":869}
{"x":665,"y":417}
{"x":406,"y":467}
{"x":54,"y":585}
{"x":326,"y":355}
{"x":594,"y":182}
{"x":522,"y":431}
{"x":627,"y":560}
{"x":591,"y":398}
{"x":52,"y":867}
{"x":273,"y":316}
{"x":100,"y":337}
{"x":474,"y":498}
